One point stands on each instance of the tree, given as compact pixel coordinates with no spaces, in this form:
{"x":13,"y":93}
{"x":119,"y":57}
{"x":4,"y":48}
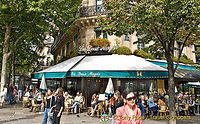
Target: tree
{"x":25,"y":21}
{"x":164,"y":21}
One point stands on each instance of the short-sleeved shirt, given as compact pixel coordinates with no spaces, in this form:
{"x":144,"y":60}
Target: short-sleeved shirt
{"x":59,"y":103}
{"x":151,"y":104}
{"x":10,"y":90}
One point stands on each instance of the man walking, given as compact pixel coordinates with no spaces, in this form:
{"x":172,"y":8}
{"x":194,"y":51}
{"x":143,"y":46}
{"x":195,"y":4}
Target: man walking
{"x":20,"y":88}
{"x":10,"y":94}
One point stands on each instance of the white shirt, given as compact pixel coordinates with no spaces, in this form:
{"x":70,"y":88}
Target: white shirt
{"x":27,"y":94}
{"x":4,"y":92}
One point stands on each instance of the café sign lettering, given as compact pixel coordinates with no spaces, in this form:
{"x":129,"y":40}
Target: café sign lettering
{"x":103,"y":74}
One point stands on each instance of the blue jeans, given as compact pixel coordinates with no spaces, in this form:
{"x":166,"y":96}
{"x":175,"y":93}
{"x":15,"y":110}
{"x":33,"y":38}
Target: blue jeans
{"x":143,"y":109}
{"x":10,"y":99}
{"x":46,"y":116}
{"x":154,"y":109}
{"x":75,"y":106}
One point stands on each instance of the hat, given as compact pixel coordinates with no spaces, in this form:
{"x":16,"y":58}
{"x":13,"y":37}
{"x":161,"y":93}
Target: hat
{"x":130,"y":95}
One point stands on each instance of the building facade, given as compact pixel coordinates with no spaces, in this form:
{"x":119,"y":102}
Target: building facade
{"x":85,"y":28}
{"x":48,"y":58}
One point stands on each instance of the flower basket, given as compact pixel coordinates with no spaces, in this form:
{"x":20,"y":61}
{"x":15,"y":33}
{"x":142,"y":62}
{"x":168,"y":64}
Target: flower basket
{"x":122,"y":51}
{"x":99,"y":42}
{"x":143,"y":54}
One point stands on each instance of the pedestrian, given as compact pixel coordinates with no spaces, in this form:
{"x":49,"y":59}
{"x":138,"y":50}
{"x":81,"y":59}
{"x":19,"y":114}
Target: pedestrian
{"x":59,"y":106}
{"x":3,"y":95}
{"x":49,"y":101}
{"x":130,"y":113}
{"x":10,"y":94}
{"x":20,"y":88}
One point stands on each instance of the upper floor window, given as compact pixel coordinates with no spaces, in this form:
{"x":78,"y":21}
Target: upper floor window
{"x":127,"y":38}
{"x":63,"y":51}
{"x":197,"y":52}
{"x":75,"y":37}
{"x":140,"y":45}
{"x":48,"y":61}
{"x":100,"y":34}
{"x":99,"y":6}
{"x":67,"y":49}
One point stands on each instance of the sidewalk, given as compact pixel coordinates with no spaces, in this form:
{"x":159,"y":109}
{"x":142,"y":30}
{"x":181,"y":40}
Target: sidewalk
{"x":15,"y":114}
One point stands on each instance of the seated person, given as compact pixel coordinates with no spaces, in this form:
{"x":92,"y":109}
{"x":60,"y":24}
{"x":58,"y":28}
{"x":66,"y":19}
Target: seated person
{"x":27,"y":94}
{"x":77,"y":101}
{"x":94,"y":104}
{"x":191,"y":105}
{"x":142,"y":105}
{"x":68,"y":99}
{"x":152,"y":106}
{"x":161,"y":101}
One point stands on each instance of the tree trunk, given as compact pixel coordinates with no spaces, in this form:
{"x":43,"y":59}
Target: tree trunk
{"x":5,"y":58}
{"x":13,"y":69}
{"x":171,"y":88}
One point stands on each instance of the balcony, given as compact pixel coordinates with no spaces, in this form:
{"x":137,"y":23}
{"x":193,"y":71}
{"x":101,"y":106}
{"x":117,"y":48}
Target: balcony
{"x":85,"y":11}
{"x":88,"y":11}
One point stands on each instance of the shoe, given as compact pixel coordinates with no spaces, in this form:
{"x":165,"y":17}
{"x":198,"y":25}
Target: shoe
{"x":78,"y":115}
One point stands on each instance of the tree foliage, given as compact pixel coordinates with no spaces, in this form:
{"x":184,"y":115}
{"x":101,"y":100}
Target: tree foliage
{"x":165,"y":22}
{"x":24,"y":22}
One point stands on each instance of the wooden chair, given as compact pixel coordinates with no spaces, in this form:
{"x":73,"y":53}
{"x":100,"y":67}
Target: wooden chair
{"x":82,"y":105}
{"x":100,"y":109}
{"x":162,"y":110}
{"x":176,"y":109}
{"x":25,"y":102}
{"x":186,"y":109}
{"x":35,"y":107}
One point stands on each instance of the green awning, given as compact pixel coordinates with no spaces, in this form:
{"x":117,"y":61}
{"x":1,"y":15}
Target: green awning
{"x":183,"y":72}
{"x":119,"y":74}
{"x":50,"y":75}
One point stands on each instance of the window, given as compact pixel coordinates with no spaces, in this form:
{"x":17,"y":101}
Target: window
{"x":100,"y":33}
{"x":67,"y":49}
{"x":197,"y":50}
{"x":75,"y":37}
{"x":48,"y":52}
{"x":140,"y":45}
{"x":48,"y":61}
{"x":127,"y":38}
{"x":63,"y":51}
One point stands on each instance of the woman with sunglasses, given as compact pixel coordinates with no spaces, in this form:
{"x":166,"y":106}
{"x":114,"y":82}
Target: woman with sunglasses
{"x":129,"y":113}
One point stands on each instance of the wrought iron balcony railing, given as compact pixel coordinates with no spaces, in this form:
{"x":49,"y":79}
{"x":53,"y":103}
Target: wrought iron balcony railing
{"x":91,"y":11}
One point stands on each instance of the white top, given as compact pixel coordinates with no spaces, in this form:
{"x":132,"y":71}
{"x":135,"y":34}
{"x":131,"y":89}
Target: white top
{"x":27,"y":94}
{"x":4,"y":92}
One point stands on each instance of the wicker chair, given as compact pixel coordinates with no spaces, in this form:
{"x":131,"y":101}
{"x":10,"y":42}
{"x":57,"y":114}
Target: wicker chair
{"x":34,"y":106}
{"x":186,"y":109}
{"x":100,"y":109}
{"x":162,"y":110}
{"x":25,"y":102}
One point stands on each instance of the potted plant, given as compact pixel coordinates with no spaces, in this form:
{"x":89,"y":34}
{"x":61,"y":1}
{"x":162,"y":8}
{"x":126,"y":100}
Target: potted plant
{"x":99,"y":44}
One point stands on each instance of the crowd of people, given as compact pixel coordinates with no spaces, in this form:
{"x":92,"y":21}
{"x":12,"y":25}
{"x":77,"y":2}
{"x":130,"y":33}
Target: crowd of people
{"x":53,"y":103}
{"x":148,"y":105}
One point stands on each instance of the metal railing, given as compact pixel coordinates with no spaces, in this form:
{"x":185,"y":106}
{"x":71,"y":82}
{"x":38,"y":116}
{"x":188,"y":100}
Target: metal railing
{"x":87,"y":11}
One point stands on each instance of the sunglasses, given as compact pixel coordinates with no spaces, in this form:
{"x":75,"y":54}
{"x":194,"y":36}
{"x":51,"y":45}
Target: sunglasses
{"x":131,"y":98}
